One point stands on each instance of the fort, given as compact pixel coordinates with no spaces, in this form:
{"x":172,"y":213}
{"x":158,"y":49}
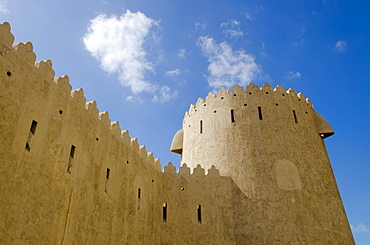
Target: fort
{"x":254,"y":168}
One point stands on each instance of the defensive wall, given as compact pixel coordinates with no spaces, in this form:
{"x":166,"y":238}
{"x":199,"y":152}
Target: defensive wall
{"x":71,"y":176}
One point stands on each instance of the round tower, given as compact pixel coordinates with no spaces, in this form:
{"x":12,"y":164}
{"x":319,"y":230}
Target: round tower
{"x":270,"y":142}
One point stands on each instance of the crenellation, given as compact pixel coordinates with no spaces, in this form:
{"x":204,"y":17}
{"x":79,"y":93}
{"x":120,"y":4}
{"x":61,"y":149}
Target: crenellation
{"x":170,"y":169}
{"x":104,"y":118}
{"x":199,"y":171}
{"x":223,"y":92}
{"x":292,"y":93}
{"x":237,"y":89}
{"x":134,"y":144}
{"x":25,"y":50}
{"x":301,"y":96}
{"x":143,"y":153}
{"x":266,"y":87}
{"x":91,"y":107}
{"x":78,"y":95}
{"x":114,"y":126}
{"x":252,"y":87}
{"x":184,"y":169}
{"x":45,"y":67}
{"x":157,"y":164}
{"x":199,"y":103}
{"x":150,"y":157}
{"x":213,"y":172}
{"x":63,"y":82}
{"x":280,"y":88}
{"x":126,"y":137}
{"x":6,"y":36}
{"x":210,"y":96}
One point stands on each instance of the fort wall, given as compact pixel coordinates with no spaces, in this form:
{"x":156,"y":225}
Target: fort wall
{"x":71,"y":176}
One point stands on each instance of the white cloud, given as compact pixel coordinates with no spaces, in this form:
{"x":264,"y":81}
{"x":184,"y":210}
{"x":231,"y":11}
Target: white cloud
{"x":360,"y":228}
{"x":165,"y":94}
{"x":200,"y":26}
{"x":234,"y":33}
{"x":182,"y":53}
{"x":292,"y":75}
{"x":234,"y":30}
{"x":228,"y":67}
{"x":341,"y":46}
{"x":3,"y":8}
{"x":117,"y":43}
{"x":249,"y":16}
{"x":175,"y":72}
{"x":232,"y":23}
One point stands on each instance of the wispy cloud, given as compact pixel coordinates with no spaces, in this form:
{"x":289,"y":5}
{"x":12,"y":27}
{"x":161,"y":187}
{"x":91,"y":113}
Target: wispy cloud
{"x":3,"y":8}
{"x":232,"y":29}
{"x":340,"y":46}
{"x":182,"y":53}
{"x":228,"y":67}
{"x":175,"y":72}
{"x":200,"y":26}
{"x":117,"y":43}
{"x":165,"y":94}
{"x":360,"y":228}
{"x":234,"y":33}
{"x":292,"y":75}
{"x":249,"y":16}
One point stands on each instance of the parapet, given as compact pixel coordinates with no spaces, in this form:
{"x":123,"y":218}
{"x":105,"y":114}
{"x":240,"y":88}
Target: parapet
{"x":184,"y":170}
{"x":24,"y":51}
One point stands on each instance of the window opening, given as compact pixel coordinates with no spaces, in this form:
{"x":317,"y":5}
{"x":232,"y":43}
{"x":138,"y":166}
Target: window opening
{"x":201,"y":126}
{"x":9,"y":73}
{"x":30,"y":135}
{"x":60,"y":112}
{"x":106,"y":180}
{"x":138,"y":198}
{"x":71,"y":156}
{"x":107,"y":174}
{"x":260,"y":113}
{"x":164,"y":209}
{"x":295,"y":117}
{"x":232,"y":116}
{"x":199,"y":212}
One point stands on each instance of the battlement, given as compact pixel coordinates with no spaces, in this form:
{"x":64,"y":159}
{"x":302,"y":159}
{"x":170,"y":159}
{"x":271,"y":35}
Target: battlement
{"x":71,"y":175}
{"x":45,"y":69}
{"x":184,"y":170}
{"x":252,"y":93}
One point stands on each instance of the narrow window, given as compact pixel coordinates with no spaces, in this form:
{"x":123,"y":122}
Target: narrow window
{"x":30,"y":135}
{"x":164,"y":212}
{"x":106,"y":180}
{"x":71,"y":156}
{"x":33,"y":127}
{"x":138,"y":198}
{"x":201,"y":126}
{"x":107,"y":174}
{"x":232,"y":116}
{"x":260,"y":112}
{"x":295,"y":117}
{"x":199,"y":212}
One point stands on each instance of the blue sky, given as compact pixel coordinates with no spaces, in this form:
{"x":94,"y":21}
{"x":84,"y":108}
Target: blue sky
{"x":146,"y":61}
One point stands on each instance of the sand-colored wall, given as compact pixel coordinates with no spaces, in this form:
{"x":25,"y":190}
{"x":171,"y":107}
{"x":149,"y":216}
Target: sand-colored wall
{"x":272,"y":183}
{"x":267,"y":141}
{"x":49,"y":197}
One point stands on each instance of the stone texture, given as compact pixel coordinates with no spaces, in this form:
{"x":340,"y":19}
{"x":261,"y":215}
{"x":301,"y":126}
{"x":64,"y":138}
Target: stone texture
{"x":83,"y":180}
